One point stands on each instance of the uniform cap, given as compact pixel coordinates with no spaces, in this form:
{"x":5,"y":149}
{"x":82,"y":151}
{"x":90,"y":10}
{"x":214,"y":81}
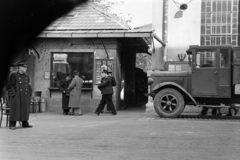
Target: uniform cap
{"x":23,"y":64}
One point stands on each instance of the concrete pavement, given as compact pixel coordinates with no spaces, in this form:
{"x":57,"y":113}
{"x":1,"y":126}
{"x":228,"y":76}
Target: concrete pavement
{"x":131,"y":135}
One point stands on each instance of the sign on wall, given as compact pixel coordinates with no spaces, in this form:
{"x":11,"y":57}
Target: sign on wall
{"x":103,"y":64}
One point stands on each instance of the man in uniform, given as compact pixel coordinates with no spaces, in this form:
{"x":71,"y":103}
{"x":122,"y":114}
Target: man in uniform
{"x":19,"y":92}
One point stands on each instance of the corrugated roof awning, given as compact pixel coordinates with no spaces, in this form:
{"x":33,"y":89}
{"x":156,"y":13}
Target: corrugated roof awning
{"x":97,"y":34}
{"x":146,"y":33}
{"x":133,"y":38}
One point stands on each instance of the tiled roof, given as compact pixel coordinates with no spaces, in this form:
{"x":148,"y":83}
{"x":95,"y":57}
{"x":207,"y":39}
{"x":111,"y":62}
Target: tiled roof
{"x":86,"y":17}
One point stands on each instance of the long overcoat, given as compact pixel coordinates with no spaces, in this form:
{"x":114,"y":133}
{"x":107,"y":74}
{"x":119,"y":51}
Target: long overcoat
{"x":19,"y":91}
{"x":75,"y":93}
{"x":65,"y":97}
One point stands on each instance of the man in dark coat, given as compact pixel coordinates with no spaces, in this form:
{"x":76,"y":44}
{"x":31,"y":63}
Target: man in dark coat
{"x":19,"y":91}
{"x":107,"y":91}
{"x":65,"y":93}
{"x":113,"y":81}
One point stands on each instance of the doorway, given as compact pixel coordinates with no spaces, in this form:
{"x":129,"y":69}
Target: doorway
{"x":205,"y":73}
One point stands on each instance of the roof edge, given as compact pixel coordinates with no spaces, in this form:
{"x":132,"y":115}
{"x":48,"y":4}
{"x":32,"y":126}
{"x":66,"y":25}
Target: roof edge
{"x":97,"y":34}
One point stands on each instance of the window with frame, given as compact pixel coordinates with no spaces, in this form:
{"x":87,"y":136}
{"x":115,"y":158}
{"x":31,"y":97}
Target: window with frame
{"x":220,"y":22}
{"x":64,"y":63}
{"x":206,"y":58}
{"x":224,"y":58}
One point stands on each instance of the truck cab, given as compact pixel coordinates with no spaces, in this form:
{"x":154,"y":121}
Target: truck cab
{"x":213,"y":81}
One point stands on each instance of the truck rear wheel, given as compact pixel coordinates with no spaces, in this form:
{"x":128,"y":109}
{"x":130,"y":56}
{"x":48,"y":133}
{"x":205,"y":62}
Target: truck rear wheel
{"x":169,"y":103}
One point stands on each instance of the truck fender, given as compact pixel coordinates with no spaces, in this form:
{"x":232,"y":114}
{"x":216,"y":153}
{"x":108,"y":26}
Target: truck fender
{"x":175,"y":85}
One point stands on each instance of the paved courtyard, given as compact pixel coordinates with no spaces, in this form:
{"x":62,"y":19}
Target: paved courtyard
{"x":131,"y":135}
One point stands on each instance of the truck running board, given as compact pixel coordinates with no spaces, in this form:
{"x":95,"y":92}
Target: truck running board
{"x":219,"y":106}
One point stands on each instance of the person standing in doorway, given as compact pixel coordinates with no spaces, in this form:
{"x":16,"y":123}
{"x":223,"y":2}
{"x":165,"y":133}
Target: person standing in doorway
{"x":19,"y":92}
{"x":65,"y":93}
{"x":75,"y":94}
{"x":107,"y":91}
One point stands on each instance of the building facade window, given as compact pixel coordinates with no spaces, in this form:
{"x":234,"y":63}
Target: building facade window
{"x":64,"y":63}
{"x":220,"y":22}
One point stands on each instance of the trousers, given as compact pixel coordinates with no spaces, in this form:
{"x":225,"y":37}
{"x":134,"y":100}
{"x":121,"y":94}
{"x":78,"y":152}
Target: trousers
{"x":106,"y":99}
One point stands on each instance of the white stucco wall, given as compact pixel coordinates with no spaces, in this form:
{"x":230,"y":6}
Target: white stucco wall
{"x":182,"y":31}
{"x":45,"y":47}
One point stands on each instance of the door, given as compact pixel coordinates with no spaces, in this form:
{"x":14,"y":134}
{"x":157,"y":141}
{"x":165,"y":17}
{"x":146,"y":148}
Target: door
{"x":205,"y":73}
{"x":225,"y":73}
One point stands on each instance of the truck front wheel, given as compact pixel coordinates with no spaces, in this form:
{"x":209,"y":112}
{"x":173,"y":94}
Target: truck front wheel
{"x":169,"y":103}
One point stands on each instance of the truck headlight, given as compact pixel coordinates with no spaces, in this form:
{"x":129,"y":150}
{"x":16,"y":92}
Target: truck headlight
{"x":150,"y":81}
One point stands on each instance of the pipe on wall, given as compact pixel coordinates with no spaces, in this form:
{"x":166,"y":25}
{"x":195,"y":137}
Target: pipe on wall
{"x":165,"y":29}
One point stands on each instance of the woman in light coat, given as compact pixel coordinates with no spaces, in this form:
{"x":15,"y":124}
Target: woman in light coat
{"x":75,"y":94}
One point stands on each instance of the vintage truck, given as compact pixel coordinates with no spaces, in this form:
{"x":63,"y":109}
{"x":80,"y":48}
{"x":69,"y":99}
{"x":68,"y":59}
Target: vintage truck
{"x":213,"y":81}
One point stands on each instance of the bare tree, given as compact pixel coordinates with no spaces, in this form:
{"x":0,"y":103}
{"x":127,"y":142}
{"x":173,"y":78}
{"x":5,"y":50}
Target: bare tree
{"x":111,"y":7}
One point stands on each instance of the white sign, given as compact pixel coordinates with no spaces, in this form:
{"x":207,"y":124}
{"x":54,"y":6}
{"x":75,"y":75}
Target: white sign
{"x":178,"y":67}
{"x":171,"y":67}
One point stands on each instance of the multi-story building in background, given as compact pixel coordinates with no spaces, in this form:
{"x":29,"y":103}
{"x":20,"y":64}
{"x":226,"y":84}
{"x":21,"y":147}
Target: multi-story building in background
{"x":180,"y":23}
